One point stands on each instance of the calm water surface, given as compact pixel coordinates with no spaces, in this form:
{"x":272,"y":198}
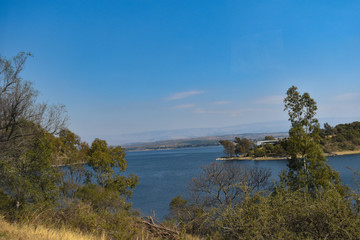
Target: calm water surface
{"x":165,"y":174}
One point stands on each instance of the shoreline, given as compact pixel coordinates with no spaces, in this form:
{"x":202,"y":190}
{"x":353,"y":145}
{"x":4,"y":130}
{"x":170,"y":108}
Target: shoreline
{"x":342,"y":153}
{"x":250,"y":158}
{"x":169,"y":148}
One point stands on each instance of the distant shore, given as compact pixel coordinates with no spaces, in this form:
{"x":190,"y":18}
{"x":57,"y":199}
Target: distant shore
{"x":282,"y":158}
{"x":343,"y":153}
{"x":168,"y":148}
{"x":250,"y":158}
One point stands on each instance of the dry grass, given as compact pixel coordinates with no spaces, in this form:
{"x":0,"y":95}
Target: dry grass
{"x":347,"y":152}
{"x":11,"y":231}
{"x":190,"y":237}
{"x":22,"y":232}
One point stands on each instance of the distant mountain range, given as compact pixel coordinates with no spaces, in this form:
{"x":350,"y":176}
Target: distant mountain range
{"x":193,"y":133}
{"x":153,"y":136}
{"x":197,"y":142}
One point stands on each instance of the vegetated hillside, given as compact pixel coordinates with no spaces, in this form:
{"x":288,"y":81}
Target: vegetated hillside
{"x":342,"y":137}
{"x":196,"y":142}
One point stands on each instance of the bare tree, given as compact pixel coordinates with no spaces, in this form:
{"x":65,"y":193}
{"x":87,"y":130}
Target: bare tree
{"x":9,"y":71}
{"x":24,"y":156}
{"x":21,"y":115}
{"x":219,"y":188}
{"x":224,"y":184}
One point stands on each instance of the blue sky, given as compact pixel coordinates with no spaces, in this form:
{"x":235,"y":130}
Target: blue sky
{"x":123,"y":67}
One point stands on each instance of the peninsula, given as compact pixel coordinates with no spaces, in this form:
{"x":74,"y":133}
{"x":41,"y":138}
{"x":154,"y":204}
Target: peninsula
{"x":343,"y":139}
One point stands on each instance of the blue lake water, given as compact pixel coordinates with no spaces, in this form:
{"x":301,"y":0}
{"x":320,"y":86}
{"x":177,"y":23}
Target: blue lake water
{"x":165,"y":174}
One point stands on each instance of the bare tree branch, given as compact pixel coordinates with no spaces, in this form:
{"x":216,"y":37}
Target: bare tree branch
{"x":222,"y":184}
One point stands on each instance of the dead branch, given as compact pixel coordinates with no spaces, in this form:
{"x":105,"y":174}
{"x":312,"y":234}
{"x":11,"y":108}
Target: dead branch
{"x":159,"y":230}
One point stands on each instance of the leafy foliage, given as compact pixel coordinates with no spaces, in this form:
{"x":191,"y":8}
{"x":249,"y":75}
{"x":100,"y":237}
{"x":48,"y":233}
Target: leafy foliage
{"x":308,"y":169}
{"x":309,"y":202}
{"x":293,"y":215}
{"x":30,"y":178}
{"x":104,"y":160}
{"x":243,"y":145}
{"x":26,"y":176}
{"x":342,"y":137}
{"x":48,"y":175}
{"x":229,"y":148}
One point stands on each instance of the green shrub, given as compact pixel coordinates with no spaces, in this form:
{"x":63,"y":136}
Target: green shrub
{"x":293,"y":215}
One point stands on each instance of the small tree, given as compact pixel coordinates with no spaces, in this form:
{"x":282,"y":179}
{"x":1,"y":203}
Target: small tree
{"x":243,"y":145}
{"x":105,"y":160}
{"x":110,"y":187}
{"x":30,"y":179}
{"x":69,"y":150}
{"x":328,"y":129}
{"x":229,"y":148}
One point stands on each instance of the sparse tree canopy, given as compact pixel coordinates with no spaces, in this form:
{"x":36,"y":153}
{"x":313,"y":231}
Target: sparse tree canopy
{"x":25,"y":151}
{"x":219,"y":188}
{"x":19,"y":107}
{"x":222,"y":184}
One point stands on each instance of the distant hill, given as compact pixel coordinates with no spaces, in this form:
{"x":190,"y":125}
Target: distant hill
{"x":179,"y":134}
{"x":342,"y":137}
{"x":196,"y":142}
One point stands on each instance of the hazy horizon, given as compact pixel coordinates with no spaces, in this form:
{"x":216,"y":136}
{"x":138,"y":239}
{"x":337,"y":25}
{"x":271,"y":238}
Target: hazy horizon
{"x":186,"y":133}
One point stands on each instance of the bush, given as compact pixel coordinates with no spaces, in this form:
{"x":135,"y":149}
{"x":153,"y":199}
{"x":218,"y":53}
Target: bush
{"x":219,"y":187}
{"x":116,"y":225}
{"x":293,"y":215}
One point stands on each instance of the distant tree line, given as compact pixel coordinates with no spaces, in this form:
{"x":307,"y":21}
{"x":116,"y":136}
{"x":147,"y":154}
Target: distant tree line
{"x":342,"y":137}
{"x":247,"y":148}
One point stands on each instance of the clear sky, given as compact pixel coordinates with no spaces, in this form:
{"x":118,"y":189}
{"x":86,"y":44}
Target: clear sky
{"x":132,"y":66}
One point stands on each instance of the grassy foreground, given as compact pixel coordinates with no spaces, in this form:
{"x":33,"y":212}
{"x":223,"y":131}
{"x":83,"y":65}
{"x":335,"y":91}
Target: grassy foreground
{"x":17,"y":232}
{"x":11,"y":231}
